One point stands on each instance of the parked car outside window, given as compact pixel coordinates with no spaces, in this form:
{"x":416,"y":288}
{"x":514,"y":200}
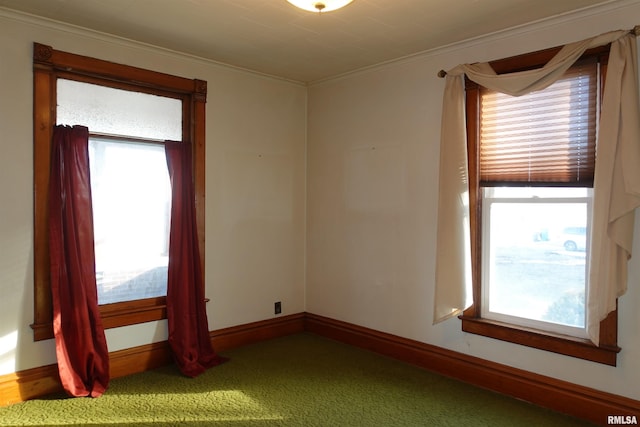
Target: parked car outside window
{"x":574,"y":238}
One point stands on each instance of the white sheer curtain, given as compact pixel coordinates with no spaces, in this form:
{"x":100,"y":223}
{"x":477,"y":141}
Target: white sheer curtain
{"x":616,"y":186}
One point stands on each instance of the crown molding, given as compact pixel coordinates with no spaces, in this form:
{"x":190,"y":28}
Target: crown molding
{"x":519,"y":30}
{"x":78,"y":31}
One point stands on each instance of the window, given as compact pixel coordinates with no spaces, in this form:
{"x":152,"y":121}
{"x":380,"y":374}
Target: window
{"x":531,"y":165}
{"x":534,"y":266}
{"x":129,"y":183}
{"x":131,"y":203}
{"x":138,"y":110}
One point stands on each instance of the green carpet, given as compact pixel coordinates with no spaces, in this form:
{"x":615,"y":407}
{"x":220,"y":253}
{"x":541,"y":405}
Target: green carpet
{"x":300,"y":380}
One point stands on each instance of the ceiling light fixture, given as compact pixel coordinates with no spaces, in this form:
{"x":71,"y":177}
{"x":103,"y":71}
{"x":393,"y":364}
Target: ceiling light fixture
{"x":319,"y":6}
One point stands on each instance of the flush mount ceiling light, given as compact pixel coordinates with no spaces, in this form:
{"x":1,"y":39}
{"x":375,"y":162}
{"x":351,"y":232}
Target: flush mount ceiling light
{"x":319,"y":6}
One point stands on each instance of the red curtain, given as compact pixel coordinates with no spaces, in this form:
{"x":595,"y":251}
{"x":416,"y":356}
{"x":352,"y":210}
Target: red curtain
{"x":81,"y":347}
{"x":186,"y":312}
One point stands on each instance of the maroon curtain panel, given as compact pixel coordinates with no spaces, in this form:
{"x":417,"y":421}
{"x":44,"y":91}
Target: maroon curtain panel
{"x":186,"y":312}
{"x":81,"y":347}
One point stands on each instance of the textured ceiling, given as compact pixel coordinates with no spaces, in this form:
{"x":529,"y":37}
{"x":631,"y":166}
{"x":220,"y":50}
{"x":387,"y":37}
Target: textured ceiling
{"x":273,"y":37}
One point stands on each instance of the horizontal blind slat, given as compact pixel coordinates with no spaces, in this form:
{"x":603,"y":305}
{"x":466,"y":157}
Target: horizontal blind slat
{"x":546,"y":136}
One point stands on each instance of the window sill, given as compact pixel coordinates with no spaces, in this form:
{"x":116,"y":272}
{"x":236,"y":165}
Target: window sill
{"x":133,"y":312}
{"x":116,"y":315}
{"x":562,"y":344}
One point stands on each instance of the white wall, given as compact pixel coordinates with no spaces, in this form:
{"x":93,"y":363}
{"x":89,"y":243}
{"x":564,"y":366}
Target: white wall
{"x":373,"y":147}
{"x":255,"y":206}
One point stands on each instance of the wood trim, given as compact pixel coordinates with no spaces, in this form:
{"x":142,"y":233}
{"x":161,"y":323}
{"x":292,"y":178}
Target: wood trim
{"x":472,"y":108}
{"x":43,"y":115}
{"x":139,"y":359}
{"x":29,"y":384}
{"x":133,"y":312}
{"x":115,"y":315}
{"x":582,"y":402}
{"x":237,"y":336}
{"x":79,"y":64}
{"x":37,"y":382}
{"x":538,"y":59}
{"x":570,"y":346}
{"x":198,"y":136}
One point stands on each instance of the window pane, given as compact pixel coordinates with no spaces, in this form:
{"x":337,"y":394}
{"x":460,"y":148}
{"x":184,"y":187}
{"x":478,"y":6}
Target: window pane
{"x":535,"y":258}
{"x":119,"y":112}
{"x":131,"y":208}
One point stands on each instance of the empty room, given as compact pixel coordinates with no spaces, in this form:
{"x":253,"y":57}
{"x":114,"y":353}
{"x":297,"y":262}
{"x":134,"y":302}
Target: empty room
{"x":287,"y":212}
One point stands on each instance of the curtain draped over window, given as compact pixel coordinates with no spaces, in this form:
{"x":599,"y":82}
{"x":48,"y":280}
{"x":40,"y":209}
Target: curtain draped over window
{"x":186,"y":312}
{"x":616,"y":181}
{"x":81,"y":347}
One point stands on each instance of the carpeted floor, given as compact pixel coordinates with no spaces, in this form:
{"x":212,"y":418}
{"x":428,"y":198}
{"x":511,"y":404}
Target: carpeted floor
{"x":300,"y":380}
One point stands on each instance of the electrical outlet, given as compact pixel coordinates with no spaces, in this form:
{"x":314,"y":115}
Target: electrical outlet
{"x":278,"y":307}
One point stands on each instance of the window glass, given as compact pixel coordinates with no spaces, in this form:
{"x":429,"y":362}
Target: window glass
{"x":130,"y":185}
{"x":131,"y":197}
{"x":535,"y":257}
{"x":120,"y":112}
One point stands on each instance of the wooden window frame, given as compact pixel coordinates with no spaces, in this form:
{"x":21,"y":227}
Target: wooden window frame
{"x":472,"y":320}
{"x":49,"y":65}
